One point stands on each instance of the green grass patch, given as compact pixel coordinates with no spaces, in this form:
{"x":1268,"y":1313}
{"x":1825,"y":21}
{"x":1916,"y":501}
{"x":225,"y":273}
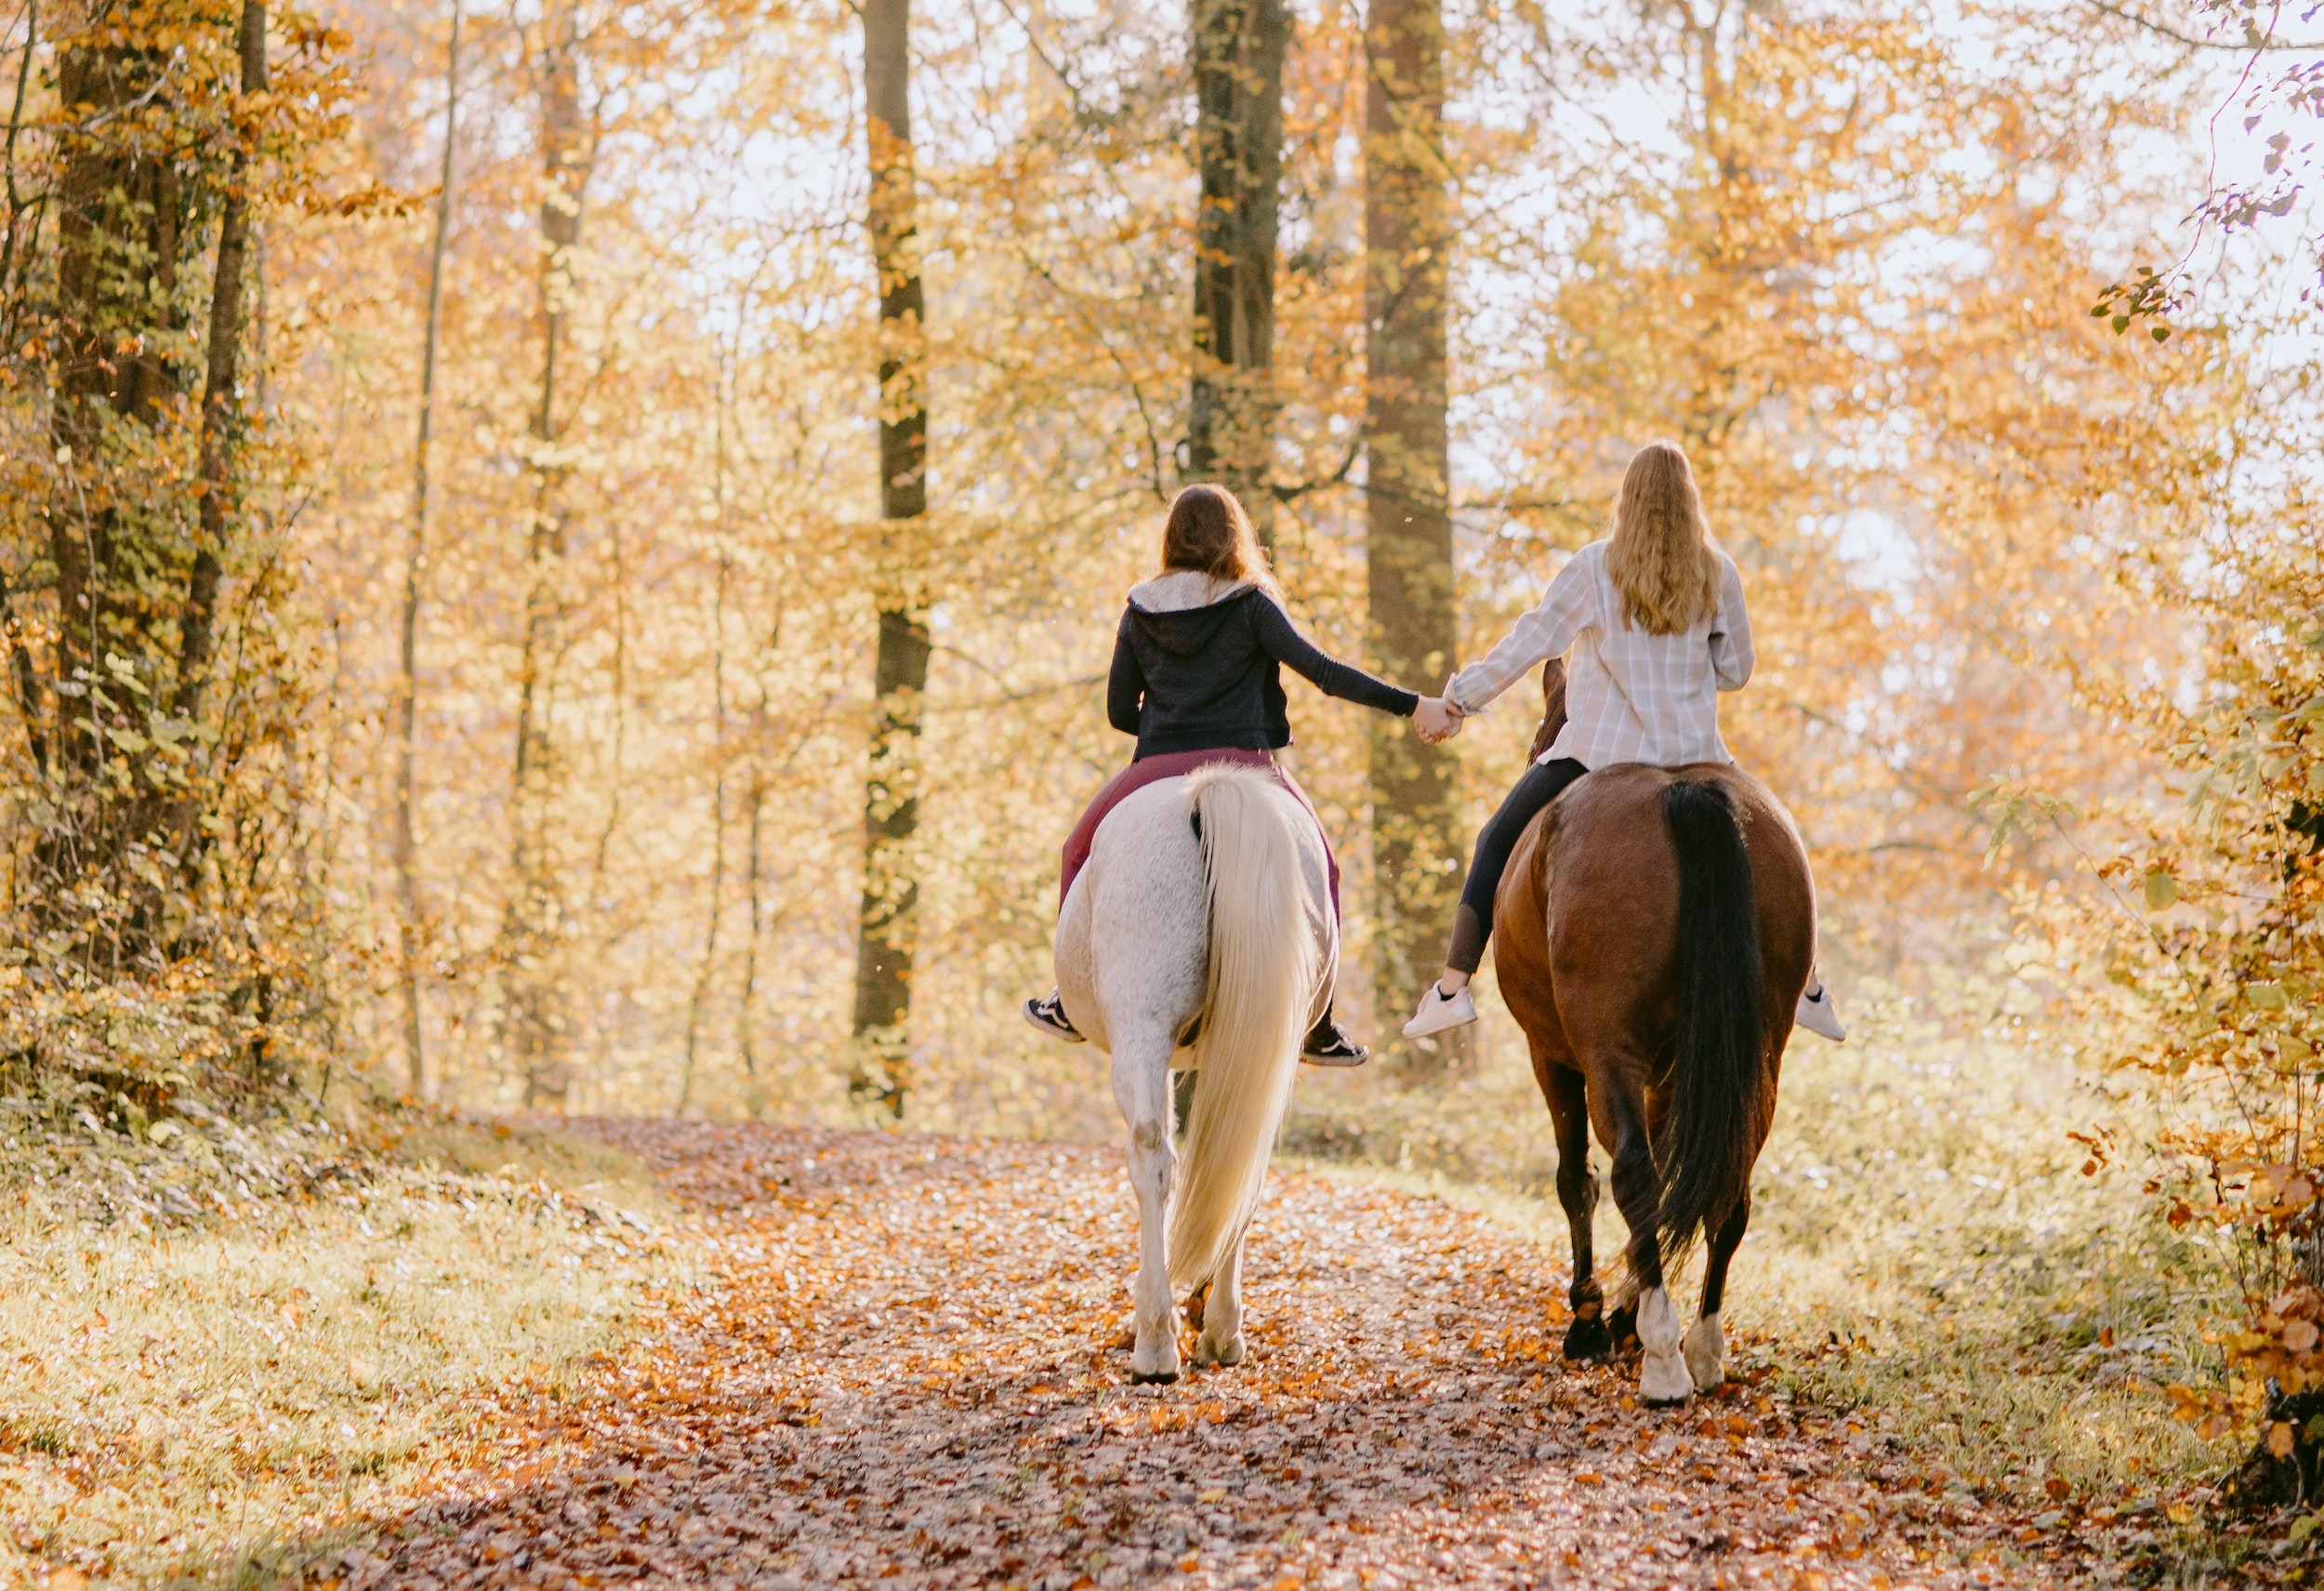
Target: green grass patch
{"x":204,"y":1395}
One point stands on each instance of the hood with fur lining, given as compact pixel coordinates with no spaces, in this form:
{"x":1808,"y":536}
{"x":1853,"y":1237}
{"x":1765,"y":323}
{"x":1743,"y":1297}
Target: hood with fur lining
{"x":1182,"y":610}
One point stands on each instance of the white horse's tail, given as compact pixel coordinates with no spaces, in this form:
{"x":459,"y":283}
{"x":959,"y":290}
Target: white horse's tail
{"x":1258,"y":985}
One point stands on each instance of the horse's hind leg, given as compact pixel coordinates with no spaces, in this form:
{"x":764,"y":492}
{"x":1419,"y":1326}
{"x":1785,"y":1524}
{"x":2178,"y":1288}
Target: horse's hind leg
{"x":1578,"y":1191}
{"x":1622,"y":1314}
{"x":1221,"y":1339}
{"x":1706,"y":1345}
{"x":1142,"y":1087}
{"x":1663,"y":1379}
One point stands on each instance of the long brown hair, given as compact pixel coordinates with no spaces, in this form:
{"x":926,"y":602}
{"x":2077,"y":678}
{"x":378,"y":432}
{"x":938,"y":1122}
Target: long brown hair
{"x":1209,"y":531}
{"x":1660,"y":559}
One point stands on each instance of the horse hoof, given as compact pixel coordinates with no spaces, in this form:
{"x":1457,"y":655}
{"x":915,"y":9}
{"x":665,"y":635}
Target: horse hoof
{"x":1157,"y":1378}
{"x":1705,"y":1348}
{"x":1664,"y":1403}
{"x":1588,"y":1339}
{"x":1230,"y":1353}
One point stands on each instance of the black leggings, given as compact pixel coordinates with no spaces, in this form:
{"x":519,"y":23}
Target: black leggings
{"x":1473,"y":920}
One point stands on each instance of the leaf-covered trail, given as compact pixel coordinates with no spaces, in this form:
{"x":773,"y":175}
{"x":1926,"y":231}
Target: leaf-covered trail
{"x":905,"y":1368}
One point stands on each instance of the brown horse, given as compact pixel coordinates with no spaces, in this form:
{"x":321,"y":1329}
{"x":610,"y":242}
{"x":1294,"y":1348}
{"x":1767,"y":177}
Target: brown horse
{"x":1652,"y":934}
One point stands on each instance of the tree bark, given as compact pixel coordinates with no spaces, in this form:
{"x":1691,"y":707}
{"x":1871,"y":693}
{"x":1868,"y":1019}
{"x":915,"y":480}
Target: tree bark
{"x":754,"y":891}
{"x":755,"y":877}
{"x":121,"y":212}
{"x":1239,"y":49}
{"x":718,"y":758}
{"x":887,"y":936}
{"x":407,"y":627}
{"x":197,"y":624}
{"x":535,"y":923}
{"x":1416,"y":840}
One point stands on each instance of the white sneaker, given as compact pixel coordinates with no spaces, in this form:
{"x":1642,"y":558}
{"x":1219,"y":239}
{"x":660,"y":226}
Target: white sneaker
{"x":1440,"y":1012}
{"x":1817,"y":1015}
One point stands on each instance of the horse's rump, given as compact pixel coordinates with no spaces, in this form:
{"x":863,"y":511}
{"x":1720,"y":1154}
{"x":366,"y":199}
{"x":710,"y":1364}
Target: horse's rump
{"x":1594,"y":882}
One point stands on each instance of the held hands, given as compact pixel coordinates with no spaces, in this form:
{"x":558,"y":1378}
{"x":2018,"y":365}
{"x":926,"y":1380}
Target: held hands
{"x":1436,"y":720}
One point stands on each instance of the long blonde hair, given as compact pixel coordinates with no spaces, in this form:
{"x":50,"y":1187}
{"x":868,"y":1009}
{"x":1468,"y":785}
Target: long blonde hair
{"x":1660,"y":558}
{"x":1208,"y":531}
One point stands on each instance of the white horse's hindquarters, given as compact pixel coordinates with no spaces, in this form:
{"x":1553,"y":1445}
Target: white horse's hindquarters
{"x":1143,"y":888}
{"x":1131,"y":938}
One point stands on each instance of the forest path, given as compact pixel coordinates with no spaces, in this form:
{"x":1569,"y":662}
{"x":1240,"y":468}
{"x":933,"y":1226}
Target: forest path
{"x":903,"y":1369}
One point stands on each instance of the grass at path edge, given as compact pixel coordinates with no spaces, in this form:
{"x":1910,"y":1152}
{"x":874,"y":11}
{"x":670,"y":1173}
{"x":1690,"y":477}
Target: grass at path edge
{"x":201,"y":1388}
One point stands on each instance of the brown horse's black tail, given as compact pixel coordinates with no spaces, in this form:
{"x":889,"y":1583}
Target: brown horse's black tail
{"x":1717,"y":1100}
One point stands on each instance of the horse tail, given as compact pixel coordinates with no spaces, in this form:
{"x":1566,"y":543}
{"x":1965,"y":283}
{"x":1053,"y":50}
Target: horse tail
{"x":1257,"y":986}
{"x":1719,"y":1103}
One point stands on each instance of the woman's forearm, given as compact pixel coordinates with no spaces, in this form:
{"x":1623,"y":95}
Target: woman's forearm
{"x":1546,"y":632}
{"x":1288,"y":647}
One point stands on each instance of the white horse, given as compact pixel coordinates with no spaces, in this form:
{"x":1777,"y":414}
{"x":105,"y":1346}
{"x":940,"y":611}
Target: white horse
{"x":1201,"y":928}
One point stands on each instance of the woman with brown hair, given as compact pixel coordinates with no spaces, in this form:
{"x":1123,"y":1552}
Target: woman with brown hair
{"x":1652,"y":624}
{"x":1197,"y":677}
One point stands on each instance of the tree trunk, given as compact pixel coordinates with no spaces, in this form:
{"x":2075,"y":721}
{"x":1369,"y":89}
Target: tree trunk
{"x":407,"y":629}
{"x":1415,"y":841}
{"x":197,"y":624}
{"x":120,"y":215}
{"x":1238,"y":50}
{"x":718,"y":782}
{"x":884,"y":948}
{"x":754,"y":890}
{"x":535,"y":924}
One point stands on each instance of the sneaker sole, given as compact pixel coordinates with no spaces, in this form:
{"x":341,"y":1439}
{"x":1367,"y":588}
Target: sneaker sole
{"x":1820,"y":1006}
{"x":1041,"y":1027}
{"x":1414,"y":1031}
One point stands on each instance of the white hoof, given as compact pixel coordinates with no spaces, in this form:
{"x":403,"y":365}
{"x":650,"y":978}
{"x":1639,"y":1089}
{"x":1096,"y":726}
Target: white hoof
{"x":1156,"y":1356}
{"x":1663,"y":1381}
{"x":1229,"y":1352}
{"x":1706,"y":1351}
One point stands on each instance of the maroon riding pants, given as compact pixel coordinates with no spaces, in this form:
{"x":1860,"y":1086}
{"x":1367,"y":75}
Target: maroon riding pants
{"x":1170,"y":766}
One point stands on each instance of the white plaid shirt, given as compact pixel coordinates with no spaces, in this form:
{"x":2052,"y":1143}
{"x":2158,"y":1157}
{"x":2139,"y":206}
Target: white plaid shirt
{"x":1631,"y":695}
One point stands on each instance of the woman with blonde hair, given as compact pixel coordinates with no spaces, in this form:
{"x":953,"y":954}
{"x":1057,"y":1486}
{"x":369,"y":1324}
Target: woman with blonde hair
{"x":1197,"y":677}
{"x":1651,"y":623}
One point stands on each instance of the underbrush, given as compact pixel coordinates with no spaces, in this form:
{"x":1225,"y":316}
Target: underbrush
{"x":222,"y":1347}
{"x":1925,"y":1251}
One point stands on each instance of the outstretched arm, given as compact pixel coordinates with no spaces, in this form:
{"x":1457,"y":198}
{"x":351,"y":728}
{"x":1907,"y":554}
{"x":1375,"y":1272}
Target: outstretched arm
{"x":1547,"y":631}
{"x":1125,"y":683}
{"x":1288,"y":647}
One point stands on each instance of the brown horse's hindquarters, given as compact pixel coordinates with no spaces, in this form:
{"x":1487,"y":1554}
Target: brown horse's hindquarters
{"x":1585,"y":920}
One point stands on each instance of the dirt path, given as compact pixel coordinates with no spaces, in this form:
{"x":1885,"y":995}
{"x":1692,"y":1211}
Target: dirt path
{"x":904,"y":1369}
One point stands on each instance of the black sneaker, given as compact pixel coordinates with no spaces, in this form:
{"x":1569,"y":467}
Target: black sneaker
{"x":1330,"y":1045}
{"x":1048,"y":1013}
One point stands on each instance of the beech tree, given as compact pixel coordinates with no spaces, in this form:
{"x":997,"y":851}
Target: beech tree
{"x":891,"y":796}
{"x":1237,"y":52}
{"x":536,"y":1020}
{"x":1416,"y":854}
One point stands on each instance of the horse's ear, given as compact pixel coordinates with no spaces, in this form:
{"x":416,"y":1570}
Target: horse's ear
{"x":1552,"y":707}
